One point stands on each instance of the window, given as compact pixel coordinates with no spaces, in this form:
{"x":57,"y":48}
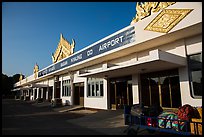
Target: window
{"x":195,"y":74}
{"x":95,"y":87}
{"x":66,"y":88}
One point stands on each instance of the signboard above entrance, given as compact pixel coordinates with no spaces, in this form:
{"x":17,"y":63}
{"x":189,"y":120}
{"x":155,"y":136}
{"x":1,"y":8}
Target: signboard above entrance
{"x":123,"y":38}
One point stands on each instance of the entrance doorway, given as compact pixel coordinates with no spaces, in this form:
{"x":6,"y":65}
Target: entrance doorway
{"x":79,"y":94}
{"x":35,"y":93}
{"x":50,"y":92}
{"x":120,"y":92}
{"x":44,"y":92}
{"x":57,"y":89}
{"x":162,"y":88}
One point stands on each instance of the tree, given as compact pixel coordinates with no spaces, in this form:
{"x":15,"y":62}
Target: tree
{"x":8,"y":83}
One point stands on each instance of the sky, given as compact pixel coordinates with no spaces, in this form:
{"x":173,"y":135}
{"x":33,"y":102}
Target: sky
{"x":31,"y":30}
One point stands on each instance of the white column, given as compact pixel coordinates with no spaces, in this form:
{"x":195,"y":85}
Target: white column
{"x":186,"y":97}
{"x":33,"y":93}
{"x":53,"y":91}
{"x":41,"y":92}
{"x":72,"y":88}
{"x":37,"y":93}
{"x":47,"y":93}
{"x":28,"y":92}
{"x":105,"y":92}
{"x":21,"y":92}
{"x":135,"y":88}
{"x":25,"y":94}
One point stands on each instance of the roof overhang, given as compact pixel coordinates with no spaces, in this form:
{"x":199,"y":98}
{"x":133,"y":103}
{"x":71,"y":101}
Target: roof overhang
{"x":157,"y":60}
{"x":16,"y":89}
{"x":34,"y":85}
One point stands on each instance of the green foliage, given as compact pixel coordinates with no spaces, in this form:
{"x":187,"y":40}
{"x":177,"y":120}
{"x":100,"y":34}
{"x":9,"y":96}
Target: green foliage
{"x":8,"y":83}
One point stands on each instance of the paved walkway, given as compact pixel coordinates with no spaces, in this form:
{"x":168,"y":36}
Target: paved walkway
{"x":110,"y":122}
{"x":28,"y":118}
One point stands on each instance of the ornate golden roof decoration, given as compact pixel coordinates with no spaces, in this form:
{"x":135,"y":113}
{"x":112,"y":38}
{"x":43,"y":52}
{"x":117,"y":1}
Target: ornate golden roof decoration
{"x":145,"y":9}
{"x":35,"y":70}
{"x":64,"y":49}
{"x":167,"y":19}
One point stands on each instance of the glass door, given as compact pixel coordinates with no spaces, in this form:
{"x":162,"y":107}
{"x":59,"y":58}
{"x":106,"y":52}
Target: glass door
{"x":162,"y":88}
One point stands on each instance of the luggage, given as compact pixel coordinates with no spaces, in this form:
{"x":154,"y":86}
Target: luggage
{"x":186,"y":112}
{"x":137,"y":113}
{"x":137,"y":110}
{"x":155,"y":110}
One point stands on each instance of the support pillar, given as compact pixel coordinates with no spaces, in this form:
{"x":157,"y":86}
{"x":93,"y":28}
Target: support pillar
{"x":33,"y":93}
{"x":53,"y":91}
{"x":72,"y":88}
{"x":24,"y":94}
{"x":37,"y":93}
{"x":47,"y":93}
{"x":41,"y":93}
{"x":135,"y":88}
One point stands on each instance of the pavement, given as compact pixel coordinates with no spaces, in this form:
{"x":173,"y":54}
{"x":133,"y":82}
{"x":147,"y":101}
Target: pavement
{"x":110,"y":122}
{"x":29,"y":118}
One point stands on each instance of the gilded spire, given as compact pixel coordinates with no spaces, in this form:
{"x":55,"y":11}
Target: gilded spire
{"x":21,"y":77}
{"x":35,"y":70}
{"x":64,"y":49}
{"x":61,"y":36}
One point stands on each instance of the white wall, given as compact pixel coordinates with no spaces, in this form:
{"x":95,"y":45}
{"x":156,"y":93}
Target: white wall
{"x":194,"y":44}
{"x":191,"y":19}
{"x":185,"y":89}
{"x":51,"y":82}
{"x":135,"y":88}
{"x":76,"y":80}
{"x":65,"y":99}
{"x":96,"y":102}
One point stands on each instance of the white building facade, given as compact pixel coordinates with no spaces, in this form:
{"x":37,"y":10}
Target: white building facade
{"x":137,"y":64}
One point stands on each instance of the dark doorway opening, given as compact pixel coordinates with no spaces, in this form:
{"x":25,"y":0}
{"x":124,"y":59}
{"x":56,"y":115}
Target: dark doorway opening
{"x":79,"y":94}
{"x":57,"y":89}
{"x":162,"y":88}
{"x":44,"y":92}
{"x":50,"y":91}
{"x":121,"y":92}
{"x":35,"y":93}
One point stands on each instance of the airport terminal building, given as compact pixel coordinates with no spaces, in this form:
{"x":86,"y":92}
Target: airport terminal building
{"x":156,"y":59}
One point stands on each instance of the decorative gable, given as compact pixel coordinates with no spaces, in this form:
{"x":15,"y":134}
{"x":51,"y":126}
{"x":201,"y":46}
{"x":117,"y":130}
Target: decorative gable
{"x":64,"y":49}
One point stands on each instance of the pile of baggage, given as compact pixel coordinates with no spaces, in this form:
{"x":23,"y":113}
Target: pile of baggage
{"x":154,"y":117}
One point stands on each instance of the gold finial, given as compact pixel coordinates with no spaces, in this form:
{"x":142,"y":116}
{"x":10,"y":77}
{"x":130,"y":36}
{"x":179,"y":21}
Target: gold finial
{"x":21,"y":77}
{"x":35,"y":70}
{"x":61,"y":36}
